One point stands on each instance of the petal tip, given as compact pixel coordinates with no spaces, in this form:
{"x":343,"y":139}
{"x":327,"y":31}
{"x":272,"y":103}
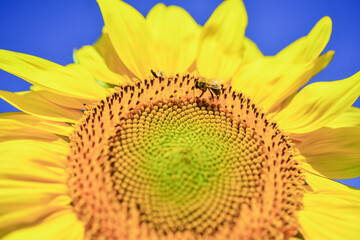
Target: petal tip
{"x":325,"y":22}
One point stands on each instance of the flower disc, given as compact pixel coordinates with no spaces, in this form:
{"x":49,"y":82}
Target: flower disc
{"x":155,"y":161}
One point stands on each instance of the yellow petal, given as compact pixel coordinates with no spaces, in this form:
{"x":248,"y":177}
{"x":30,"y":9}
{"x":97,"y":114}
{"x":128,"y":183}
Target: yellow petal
{"x":250,"y":51}
{"x":12,"y":132}
{"x":221,"y":41}
{"x":34,"y":104}
{"x":309,"y":47}
{"x":308,"y":168}
{"x":12,"y":220}
{"x":335,"y":153}
{"x":17,"y":195}
{"x":320,"y":184}
{"x":91,"y":59}
{"x":19,"y":119}
{"x":37,"y":160}
{"x":322,"y":62}
{"x":274,"y":83}
{"x":350,"y":118}
{"x":331,"y":212}
{"x":317,"y":65}
{"x":58,"y":226}
{"x":130,"y":36}
{"x":31,"y":171}
{"x":31,"y":176}
{"x":71,"y":80}
{"x":64,"y":101}
{"x":175,"y":35}
{"x":296,"y":64}
{"x":318,"y":104}
{"x":107,"y":51}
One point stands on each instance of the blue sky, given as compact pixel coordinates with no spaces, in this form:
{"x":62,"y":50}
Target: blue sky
{"x":51,"y":29}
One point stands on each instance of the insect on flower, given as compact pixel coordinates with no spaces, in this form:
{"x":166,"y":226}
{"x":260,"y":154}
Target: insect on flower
{"x":157,"y":75}
{"x":214,"y":86}
{"x":156,"y":156}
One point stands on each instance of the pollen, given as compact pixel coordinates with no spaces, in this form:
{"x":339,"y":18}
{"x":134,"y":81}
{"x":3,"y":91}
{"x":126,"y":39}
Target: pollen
{"x":157,"y":161}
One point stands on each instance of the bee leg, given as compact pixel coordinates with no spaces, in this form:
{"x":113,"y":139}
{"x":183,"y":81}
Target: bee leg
{"x":202,"y":93}
{"x":154,"y":73}
{"x":212,"y":95}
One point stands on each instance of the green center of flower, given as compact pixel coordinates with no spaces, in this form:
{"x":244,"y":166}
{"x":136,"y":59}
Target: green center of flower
{"x":164,"y":160}
{"x":185,"y":164}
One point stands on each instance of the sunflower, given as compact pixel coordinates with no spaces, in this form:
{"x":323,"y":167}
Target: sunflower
{"x":164,"y":129}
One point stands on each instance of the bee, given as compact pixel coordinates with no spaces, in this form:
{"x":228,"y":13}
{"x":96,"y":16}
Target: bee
{"x":157,"y":75}
{"x":213,"y":85}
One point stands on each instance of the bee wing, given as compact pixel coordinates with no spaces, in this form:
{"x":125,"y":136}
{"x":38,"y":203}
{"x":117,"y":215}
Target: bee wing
{"x":214,"y":83}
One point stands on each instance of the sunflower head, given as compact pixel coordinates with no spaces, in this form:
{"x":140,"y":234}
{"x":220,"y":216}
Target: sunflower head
{"x":176,"y":164}
{"x":164,"y":129}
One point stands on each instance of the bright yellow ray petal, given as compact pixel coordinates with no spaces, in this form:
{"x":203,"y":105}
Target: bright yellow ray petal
{"x":335,"y":153}
{"x":350,"y":118}
{"x":276,"y":80}
{"x":29,"y":171}
{"x":309,"y":47}
{"x":318,"y":104}
{"x":129,"y":34}
{"x":37,"y":160}
{"x":250,"y":51}
{"x":331,"y":212}
{"x":221,"y":41}
{"x":12,"y":132}
{"x":20,"y":119}
{"x":107,"y":51}
{"x":71,"y":80}
{"x":59,"y":226}
{"x":16,"y":195}
{"x":63,"y":101}
{"x":282,"y":76}
{"x":322,"y":61}
{"x":22,"y":217}
{"x":316,"y":66}
{"x":34,"y":104}
{"x":32,"y":175}
{"x":175,"y":36}
{"x":321,"y":184}
{"x":91,"y":59}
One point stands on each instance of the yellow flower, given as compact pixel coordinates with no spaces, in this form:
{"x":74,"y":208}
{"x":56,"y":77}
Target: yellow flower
{"x":164,"y":129}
